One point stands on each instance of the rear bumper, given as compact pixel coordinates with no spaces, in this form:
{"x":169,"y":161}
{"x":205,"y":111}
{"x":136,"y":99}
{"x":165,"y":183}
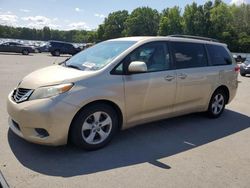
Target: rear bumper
{"x":51,"y":115}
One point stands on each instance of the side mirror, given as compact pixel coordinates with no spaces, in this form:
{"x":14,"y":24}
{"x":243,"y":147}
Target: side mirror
{"x":137,"y":67}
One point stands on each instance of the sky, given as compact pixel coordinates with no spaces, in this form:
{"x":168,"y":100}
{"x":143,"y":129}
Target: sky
{"x":76,"y":14}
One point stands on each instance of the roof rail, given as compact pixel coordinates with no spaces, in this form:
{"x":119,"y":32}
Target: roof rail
{"x":195,"y":37}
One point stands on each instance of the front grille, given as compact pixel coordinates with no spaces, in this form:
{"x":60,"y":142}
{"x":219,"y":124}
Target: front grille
{"x":21,"y":94}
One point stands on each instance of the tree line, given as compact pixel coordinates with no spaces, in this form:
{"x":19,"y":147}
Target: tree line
{"x":46,"y":34}
{"x":227,"y":23}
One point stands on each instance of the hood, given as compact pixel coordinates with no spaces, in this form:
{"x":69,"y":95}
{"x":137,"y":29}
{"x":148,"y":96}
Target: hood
{"x":52,"y":75}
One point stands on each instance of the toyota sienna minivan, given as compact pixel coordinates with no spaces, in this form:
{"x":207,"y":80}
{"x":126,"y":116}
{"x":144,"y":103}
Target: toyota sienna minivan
{"x":121,"y":83}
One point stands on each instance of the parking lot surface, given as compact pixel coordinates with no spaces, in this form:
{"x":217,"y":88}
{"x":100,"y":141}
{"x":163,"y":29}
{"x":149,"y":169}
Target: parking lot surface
{"x":187,"y":151}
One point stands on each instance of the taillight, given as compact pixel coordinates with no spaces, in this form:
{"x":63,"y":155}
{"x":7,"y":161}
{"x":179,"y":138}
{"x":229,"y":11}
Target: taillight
{"x":237,"y":68}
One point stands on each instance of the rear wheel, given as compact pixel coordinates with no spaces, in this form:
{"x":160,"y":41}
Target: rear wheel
{"x":217,"y":104}
{"x":25,"y":52}
{"x":55,"y":53}
{"x":94,"y":127}
{"x":242,"y":74}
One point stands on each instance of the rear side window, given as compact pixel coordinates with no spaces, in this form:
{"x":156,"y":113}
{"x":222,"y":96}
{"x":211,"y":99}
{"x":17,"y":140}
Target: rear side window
{"x":189,"y":55}
{"x":219,"y":55}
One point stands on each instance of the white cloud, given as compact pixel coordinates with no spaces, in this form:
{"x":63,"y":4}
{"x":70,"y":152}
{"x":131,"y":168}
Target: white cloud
{"x":40,"y":26}
{"x":78,"y":26}
{"x":238,"y":2}
{"x":8,"y":19}
{"x":24,"y":10}
{"x":39,"y":19}
{"x":78,"y":9}
{"x":39,"y":22}
{"x":99,"y":15}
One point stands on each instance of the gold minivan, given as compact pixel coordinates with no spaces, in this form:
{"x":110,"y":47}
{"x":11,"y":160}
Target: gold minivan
{"x":121,"y":83}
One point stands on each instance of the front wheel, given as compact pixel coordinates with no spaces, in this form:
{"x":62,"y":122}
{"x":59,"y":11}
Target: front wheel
{"x":94,"y":127}
{"x":25,"y":52}
{"x":217,"y":104}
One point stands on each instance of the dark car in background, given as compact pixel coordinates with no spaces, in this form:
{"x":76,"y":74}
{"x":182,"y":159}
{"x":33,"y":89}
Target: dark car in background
{"x":43,"y":48}
{"x":16,"y":47}
{"x":245,"y":67}
{"x":56,"y":48}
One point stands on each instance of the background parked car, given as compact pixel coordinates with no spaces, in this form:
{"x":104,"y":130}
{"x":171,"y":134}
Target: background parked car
{"x":245,"y":68}
{"x":43,"y":48}
{"x":56,"y":48}
{"x":16,"y":47}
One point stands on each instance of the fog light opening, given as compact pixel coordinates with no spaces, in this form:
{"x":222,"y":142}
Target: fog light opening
{"x":16,"y":125}
{"x":42,"y":132}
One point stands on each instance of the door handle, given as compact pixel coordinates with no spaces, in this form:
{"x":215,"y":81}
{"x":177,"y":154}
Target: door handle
{"x":182,"y":76}
{"x":169,"y":78}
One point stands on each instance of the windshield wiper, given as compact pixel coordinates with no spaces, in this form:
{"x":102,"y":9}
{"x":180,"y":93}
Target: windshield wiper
{"x":73,"y":66}
{"x":64,"y":62}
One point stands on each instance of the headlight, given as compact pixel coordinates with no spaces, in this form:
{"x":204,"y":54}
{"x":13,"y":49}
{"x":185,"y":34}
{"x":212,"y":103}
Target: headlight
{"x":49,"y":91}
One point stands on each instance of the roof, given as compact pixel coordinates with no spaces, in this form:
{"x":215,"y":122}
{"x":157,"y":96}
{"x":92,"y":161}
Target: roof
{"x":168,"y":38}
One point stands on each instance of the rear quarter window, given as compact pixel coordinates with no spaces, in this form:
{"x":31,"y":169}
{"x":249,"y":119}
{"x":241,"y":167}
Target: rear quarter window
{"x":219,"y":55}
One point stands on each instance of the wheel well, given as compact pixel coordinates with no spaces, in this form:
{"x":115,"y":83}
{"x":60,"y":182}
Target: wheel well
{"x":107,"y":102}
{"x":226,"y":91}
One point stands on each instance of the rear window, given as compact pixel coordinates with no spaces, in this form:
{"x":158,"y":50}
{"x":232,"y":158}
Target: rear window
{"x":189,"y":55}
{"x":219,"y":55}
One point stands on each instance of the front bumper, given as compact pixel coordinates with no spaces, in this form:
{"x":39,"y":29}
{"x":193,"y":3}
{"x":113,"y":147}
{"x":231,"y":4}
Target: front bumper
{"x":50,"y":114}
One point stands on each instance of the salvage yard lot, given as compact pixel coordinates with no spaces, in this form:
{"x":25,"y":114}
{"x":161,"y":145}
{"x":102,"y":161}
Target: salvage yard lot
{"x":188,"y":151}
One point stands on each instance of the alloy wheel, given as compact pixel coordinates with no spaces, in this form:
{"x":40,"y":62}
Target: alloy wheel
{"x":96,"y":127}
{"x":218,"y":103}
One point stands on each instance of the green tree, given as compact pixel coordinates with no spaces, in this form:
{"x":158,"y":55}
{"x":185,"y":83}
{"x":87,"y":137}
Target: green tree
{"x":171,"y":21}
{"x":142,"y":21}
{"x":207,"y":15}
{"x":193,"y":20}
{"x":114,"y":24}
{"x":221,"y":18}
{"x":241,"y":18}
{"x":46,"y":33}
{"x":100,"y":32}
{"x":244,"y":42}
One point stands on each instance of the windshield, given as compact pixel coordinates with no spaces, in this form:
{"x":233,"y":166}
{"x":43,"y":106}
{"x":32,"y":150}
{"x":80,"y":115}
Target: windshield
{"x":98,"y":56}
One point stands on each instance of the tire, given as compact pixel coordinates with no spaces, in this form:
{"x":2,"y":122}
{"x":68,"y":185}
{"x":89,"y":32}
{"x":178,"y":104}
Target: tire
{"x":88,"y":130}
{"x":25,"y":52}
{"x":57,"y":53}
{"x":242,"y":74}
{"x":217,"y":104}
